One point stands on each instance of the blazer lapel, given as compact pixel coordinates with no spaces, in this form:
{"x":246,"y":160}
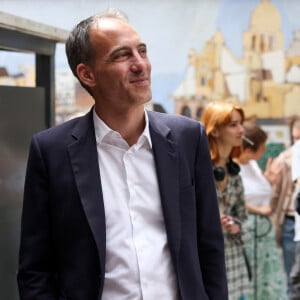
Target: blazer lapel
{"x":166,"y":160}
{"x":84,"y":160}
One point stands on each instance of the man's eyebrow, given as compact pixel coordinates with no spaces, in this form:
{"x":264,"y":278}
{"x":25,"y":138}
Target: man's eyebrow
{"x":142,"y":45}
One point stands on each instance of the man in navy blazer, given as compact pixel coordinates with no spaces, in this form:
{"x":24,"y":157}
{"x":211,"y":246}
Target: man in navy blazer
{"x":119,"y":203}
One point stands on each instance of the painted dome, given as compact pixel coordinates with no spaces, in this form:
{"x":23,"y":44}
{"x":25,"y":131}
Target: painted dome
{"x":266,"y":17}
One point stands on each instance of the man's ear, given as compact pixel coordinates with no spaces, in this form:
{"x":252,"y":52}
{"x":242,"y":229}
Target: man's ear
{"x":86,"y":75}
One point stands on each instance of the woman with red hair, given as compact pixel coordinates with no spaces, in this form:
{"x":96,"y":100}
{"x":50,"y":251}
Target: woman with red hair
{"x":224,"y":127}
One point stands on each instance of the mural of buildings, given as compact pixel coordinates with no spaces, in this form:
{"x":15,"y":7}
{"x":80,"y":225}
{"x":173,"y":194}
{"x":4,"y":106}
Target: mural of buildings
{"x":265,"y":81}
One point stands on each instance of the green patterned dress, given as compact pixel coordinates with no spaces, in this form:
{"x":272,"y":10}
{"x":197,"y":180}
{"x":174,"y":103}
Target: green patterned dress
{"x":265,"y":259}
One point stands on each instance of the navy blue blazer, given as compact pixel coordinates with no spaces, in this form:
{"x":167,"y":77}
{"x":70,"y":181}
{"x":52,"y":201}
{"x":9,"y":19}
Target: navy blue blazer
{"x":62,"y":249}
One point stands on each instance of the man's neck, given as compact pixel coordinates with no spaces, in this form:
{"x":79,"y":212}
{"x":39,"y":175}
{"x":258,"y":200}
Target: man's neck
{"x":130,"y":124}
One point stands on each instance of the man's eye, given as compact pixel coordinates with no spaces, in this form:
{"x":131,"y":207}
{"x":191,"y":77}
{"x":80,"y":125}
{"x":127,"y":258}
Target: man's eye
{"x":120,"y":55}
{"x":143,"y":51}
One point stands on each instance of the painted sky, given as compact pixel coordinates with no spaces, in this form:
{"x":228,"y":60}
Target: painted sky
{"x":170,"y":29}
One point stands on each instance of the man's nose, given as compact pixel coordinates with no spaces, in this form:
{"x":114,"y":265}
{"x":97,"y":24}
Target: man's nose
{"x":138,"y":63}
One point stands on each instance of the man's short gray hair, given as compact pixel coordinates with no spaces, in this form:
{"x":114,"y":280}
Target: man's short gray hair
{"x":78,"y":46}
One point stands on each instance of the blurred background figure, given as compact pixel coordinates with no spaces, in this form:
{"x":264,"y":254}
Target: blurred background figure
{"x":224,"y":128}
{"x":295,"y":272}
{"x":282,"y":202}
{"x":265,"y":259}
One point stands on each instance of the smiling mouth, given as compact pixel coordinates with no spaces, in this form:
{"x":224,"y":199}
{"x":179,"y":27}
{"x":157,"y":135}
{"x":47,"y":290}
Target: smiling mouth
{"x":140,"y":81}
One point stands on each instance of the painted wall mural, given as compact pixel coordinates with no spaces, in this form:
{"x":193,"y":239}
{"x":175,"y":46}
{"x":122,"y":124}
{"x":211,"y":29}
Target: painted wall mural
{"x":265,"y":81}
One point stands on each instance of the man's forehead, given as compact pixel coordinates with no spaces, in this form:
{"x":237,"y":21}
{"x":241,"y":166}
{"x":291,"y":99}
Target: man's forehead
{"x":112,"y":30}
{"x":111,"y":24}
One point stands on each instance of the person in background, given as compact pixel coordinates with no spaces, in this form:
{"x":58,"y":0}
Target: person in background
{"x":224,"y":127}
{"x":265,"y":260}
{"x":120,"y":203}
{"x":282,"y":201}
{"x":295,"y":272}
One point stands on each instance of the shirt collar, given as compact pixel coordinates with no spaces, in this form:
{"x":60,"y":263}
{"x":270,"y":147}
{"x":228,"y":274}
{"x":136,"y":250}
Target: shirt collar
{"x":102,"y":130}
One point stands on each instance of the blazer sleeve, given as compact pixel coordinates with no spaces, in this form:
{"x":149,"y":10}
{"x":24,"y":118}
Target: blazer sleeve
{"x":36,"y":272}
{"x":210,"y":236}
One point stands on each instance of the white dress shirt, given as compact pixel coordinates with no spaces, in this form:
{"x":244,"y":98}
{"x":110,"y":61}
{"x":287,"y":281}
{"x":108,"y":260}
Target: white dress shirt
{"x":138,"y":262}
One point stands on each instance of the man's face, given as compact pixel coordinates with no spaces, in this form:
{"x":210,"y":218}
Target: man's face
{"x":120,"y":65}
